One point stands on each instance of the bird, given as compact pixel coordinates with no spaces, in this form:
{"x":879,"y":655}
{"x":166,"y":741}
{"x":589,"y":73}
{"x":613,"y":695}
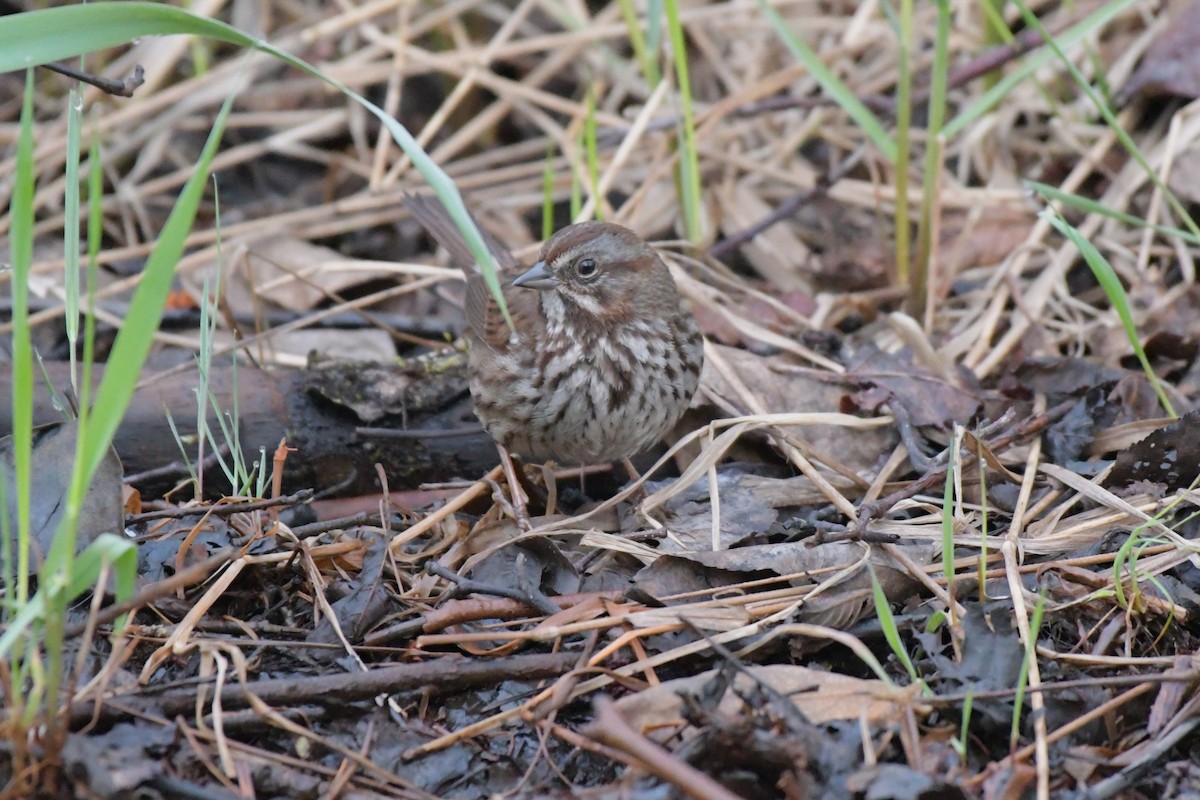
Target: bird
{"x":603,"y":357}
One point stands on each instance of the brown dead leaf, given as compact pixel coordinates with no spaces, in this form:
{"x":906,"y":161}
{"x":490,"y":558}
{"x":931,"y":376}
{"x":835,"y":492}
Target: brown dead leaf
{"x":680,"y":572}
{"x":743,"y":513}
{"x":291,"y":273}
{"x":971,"y":240}
{"x":131,"y":500}
{"x":888,"y":378}
{"x":1172,"y":63}
{"x":1170,"y":456}
{"x":776,"y":385}
{"x":821,"y":696}
{"x":854,"y":254}
{"x":1184,"y":179}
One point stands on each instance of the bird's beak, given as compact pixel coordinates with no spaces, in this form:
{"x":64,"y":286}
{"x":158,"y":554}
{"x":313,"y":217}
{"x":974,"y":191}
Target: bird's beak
{"x":536,"y":277}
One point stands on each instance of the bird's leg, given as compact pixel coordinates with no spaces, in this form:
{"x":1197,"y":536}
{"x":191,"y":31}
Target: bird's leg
{"x":640,"y":495}
{"x":519,"y":500}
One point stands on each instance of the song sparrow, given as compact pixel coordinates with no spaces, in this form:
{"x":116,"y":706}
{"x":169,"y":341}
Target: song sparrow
{"x":604,"y":360}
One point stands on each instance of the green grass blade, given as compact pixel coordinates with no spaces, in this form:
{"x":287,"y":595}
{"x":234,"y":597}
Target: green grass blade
{"x":1089,"y":206}
{"x":1035,"y":627}
{"x":933,"y":160}
{"x":965,"y":726}
{"x":1032,"y":63}
{"x":107,"y":547}
{"x":995,"y":29}
{"x":832,"y":85}
{"x":952,"y":467}
{"x":71,"y":231}
{"x":1106,"y":276}
{"x":94,"y":242}
{"x":548,"y":194}
{"x":689,"y":158}
{"x":185,"y":456}
{"x":591,"y":151}
{"x":21,"y":256}
{"x":887,"y":622}
{"x":654,"y":16}
{"x":637,"y":41}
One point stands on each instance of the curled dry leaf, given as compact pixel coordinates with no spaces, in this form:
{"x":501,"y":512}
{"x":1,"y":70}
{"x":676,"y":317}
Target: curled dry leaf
{"x":1169,"y":457}
{"x":687,"y":572}
{"x":887,"y":378}
{"x":821,"y":696}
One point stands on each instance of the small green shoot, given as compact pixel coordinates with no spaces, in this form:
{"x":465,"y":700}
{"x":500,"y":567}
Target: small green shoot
{"x":548,"y":194}
{"x":208,"y":331}
{"x":1035,"y":627}
{"x":238,"y":472}
{"x":891,"y":633}
{"x":180,"y":442}
{"x":1137,"y":541}
{"x":964,"y":728}
{"x":948,"y":522}
{"x":592,"y":154}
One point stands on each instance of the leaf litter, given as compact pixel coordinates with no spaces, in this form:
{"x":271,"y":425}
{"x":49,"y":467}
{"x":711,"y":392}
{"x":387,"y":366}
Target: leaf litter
{"x":416,"y":643}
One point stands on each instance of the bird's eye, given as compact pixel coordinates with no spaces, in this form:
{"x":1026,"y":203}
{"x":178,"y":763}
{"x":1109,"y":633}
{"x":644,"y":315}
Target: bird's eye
{"x":586,"y":268}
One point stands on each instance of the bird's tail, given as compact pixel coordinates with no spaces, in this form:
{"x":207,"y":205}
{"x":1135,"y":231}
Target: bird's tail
{"x":434,"y":217}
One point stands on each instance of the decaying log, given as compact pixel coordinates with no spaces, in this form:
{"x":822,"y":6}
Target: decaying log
{"x":320,"y":411}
